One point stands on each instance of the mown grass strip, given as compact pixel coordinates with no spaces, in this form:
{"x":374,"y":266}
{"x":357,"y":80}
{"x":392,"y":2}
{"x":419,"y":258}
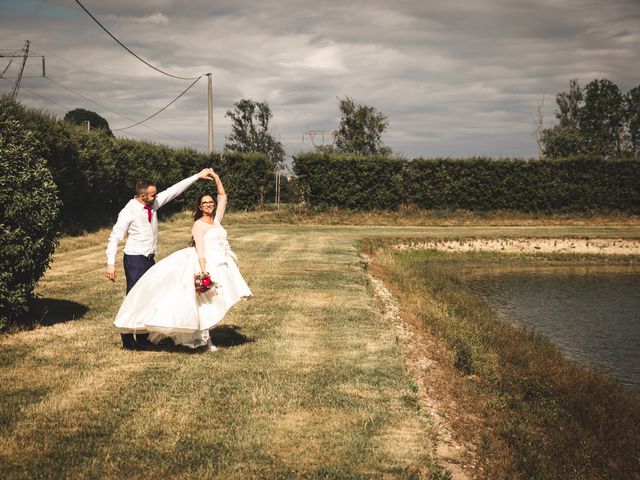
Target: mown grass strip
{"x":317,"y":392}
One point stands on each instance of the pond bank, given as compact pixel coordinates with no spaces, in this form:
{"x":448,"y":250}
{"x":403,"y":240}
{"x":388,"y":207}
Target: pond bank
{"x":590,"y":246}
{"x":516,"y":404}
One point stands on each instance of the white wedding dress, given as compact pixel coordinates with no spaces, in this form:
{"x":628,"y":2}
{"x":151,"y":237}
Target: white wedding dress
{"x":164,"y":302}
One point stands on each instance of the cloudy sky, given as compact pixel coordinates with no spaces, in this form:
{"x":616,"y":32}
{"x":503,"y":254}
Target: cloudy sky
{"x":455,"y":78}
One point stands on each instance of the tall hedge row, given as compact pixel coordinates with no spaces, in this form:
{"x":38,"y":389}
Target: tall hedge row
{"x":368,"y":183}
{"x":96,"y":174}
{"x":29,"y":211}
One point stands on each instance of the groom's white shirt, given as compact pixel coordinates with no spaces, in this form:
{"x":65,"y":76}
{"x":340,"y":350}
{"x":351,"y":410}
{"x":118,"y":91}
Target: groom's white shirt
{"x":133,"y":221}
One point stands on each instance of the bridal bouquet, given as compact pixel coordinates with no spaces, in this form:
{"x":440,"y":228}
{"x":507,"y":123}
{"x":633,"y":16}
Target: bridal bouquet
{"x":203,"y":283}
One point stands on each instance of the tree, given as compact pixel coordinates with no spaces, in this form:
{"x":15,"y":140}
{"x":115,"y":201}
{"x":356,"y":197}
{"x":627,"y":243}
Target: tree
{"x":562,"y":141}
{"x":80,"y":116}
{"x":250,"y":131}
{"x":569,"y":105}
{"x":565,"y":139}
{"x":595,"y":120}
{"x":600,"y":119}
{"x":361,"y":128}
{"x":632,"y":114}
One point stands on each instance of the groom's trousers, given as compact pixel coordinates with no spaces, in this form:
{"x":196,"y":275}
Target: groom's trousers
{"x":135,"y":267}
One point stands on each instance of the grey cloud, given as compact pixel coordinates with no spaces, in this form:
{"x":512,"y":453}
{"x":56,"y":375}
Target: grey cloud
{"x":454,"y":78}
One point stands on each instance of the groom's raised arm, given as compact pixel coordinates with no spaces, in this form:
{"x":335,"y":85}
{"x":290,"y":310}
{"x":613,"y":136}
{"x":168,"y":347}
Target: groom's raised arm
{"x":172,"y":192}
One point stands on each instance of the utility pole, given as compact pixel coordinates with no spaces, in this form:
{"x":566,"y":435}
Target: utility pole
{"x":539,"y":127}
{"x":278,"y":176}
{"x":210,"y":96}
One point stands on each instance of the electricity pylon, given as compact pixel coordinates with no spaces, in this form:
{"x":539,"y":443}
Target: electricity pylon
{"x":24,"y":55}
{"x":312,"y":134}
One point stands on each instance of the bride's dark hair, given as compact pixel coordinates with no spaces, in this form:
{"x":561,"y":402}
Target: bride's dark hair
{"x":197,"y":213}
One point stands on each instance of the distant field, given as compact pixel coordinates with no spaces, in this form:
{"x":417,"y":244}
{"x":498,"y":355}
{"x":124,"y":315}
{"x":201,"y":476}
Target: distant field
{"x":410,"y":216}
{"x":317,"y":385}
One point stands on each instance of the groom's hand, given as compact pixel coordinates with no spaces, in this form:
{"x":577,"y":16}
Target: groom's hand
{"x":111,"y":272}
{"x":205,"y":173}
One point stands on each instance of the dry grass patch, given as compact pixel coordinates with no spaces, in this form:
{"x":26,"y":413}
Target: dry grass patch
{"x":301,"y":341}
{"x":402,"y":441}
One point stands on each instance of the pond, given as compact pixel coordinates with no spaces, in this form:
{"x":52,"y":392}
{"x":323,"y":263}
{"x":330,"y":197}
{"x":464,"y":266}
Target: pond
{"x":591,"y":313}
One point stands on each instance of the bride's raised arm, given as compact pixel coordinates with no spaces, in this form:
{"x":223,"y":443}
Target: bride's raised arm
{"x":222,"y":198}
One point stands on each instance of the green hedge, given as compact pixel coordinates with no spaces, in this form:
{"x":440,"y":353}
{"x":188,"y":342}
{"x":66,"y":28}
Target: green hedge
{"x":29,"y":210}
{"x":96,"y":174}
{"x":369,"y":183}
{"x":350,"y":181}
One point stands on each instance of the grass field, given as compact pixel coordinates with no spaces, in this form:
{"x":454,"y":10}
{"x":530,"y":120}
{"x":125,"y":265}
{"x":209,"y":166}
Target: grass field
{"x":316,"y":385}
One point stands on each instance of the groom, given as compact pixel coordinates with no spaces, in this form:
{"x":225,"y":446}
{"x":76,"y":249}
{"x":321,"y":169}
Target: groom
{"x":138,"y":221}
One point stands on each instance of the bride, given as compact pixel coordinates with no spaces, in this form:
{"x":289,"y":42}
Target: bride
{"x":164,"y":302}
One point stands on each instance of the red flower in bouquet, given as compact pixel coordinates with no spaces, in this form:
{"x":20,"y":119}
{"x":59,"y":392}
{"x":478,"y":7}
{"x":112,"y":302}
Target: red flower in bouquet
{"x":203,"y":283}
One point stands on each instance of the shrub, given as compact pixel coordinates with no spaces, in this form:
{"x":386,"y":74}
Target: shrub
{"x":29,"y":213}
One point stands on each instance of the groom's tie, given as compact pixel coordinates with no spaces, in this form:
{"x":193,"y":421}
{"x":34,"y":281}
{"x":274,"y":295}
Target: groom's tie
{"x":149,"y":212}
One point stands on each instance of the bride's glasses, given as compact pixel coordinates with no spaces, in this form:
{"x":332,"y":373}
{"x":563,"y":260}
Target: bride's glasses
{"x":206,"y":203}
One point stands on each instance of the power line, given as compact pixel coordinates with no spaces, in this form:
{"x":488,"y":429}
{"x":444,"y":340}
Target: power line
{"x":129,"y":50}
{"x":120,"y":114}
{"x":66,"y":107}
{"x":6,"y":68}
{"x":69,"y":89}
{"x":75,"y":92}
{"x":90,"y":72}
{"x":146,"y":139}
{"x":104,"y":107}
{"x":162,"y":109}
{"x":26,"y":67}
{"x":38,"y":95}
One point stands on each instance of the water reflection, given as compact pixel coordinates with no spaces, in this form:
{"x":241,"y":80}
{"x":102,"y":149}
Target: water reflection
{"x":592,"y":314}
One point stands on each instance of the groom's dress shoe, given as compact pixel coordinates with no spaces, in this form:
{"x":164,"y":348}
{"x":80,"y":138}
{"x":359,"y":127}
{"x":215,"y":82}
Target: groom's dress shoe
{"x":128,"y":342}
{"x":145,"y":344}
